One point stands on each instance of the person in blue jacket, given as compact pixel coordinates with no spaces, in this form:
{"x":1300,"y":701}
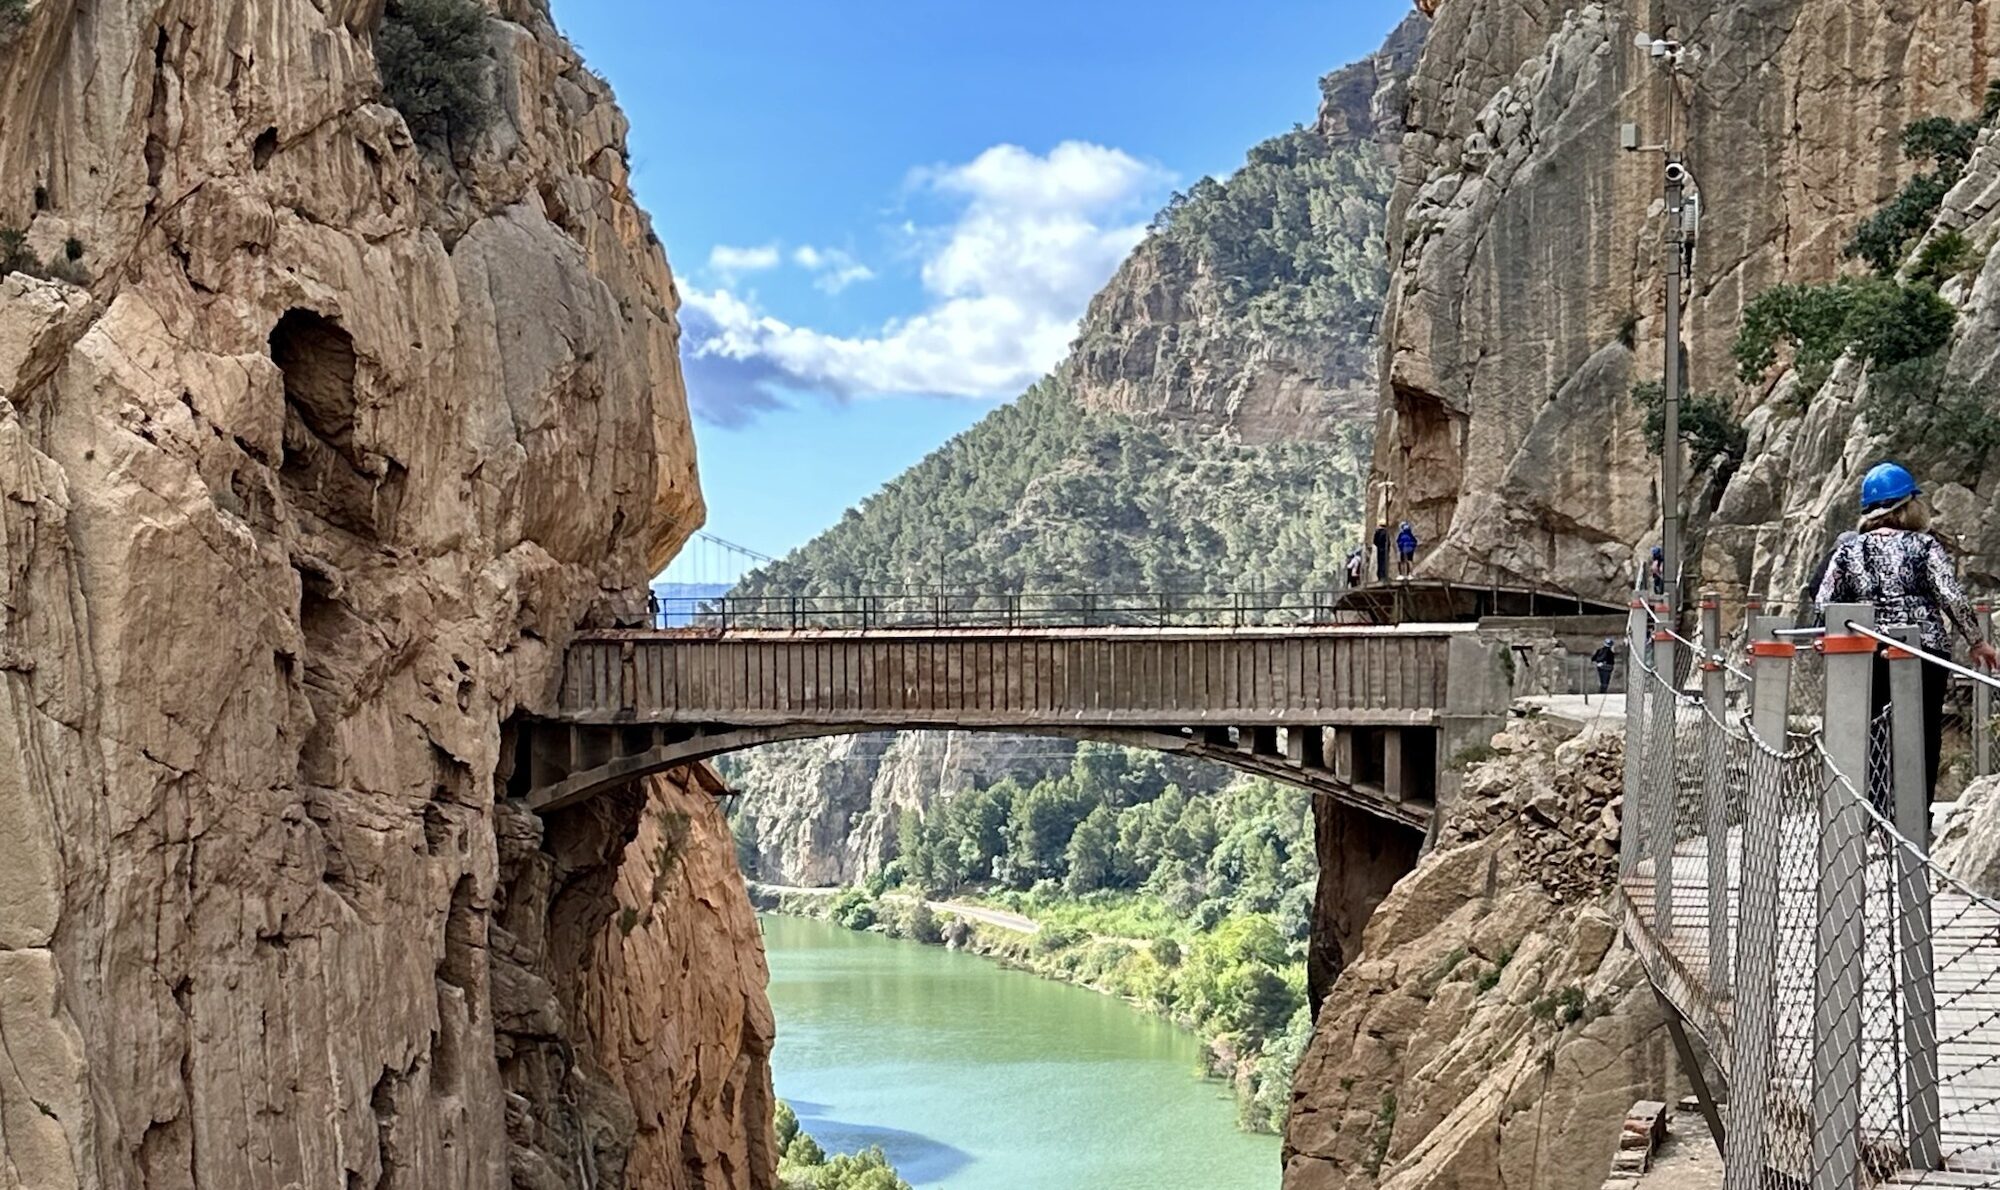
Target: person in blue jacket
{"x":1406,"y":549}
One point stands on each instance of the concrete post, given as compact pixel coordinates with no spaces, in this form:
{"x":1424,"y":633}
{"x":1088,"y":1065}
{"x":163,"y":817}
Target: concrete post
{"x":1664,"y":810}
{"x":1715,"y":797}
{"x":1632,"y":830}
{"x":1757,"y":966}
{"x":1982,"y":705}
{"x":1917,"y":971}
{"x":1842,"y":859}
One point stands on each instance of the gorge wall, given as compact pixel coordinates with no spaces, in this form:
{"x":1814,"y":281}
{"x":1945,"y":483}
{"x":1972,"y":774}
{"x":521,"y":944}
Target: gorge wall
{"x":1525,"y":292}
{"x":316,"y":448}
{"x":1524,"y":303}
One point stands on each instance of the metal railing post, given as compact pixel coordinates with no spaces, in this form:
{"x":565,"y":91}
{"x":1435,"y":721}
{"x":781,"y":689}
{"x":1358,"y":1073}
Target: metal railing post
{"x":1839,"y":951}
{"x":1715,"y":799}
{"x":1632,"y":831}
{"x":1982,"y":704}
{"x":1757,"y":964}
{"x":1666,"y":823}
{"x":1916,"y":970}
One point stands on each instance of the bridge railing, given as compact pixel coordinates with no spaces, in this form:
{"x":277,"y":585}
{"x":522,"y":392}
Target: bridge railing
{"x":935,"y":608}
{"x":1778,"y":888}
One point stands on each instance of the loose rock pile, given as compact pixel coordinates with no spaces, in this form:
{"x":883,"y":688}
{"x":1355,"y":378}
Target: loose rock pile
{"x":1563,"y":794}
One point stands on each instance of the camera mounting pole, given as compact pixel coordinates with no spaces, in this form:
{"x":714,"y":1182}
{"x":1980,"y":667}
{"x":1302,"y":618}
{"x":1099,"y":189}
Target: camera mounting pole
{"x":1683,"y":212}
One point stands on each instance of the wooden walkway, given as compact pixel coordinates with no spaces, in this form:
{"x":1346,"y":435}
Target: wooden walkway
{"x":1965,"y":957}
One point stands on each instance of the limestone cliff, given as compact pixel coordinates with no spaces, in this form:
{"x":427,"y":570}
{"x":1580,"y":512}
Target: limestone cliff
{"x":1525,"y":291}
{"x":675,"y":998}
{"x":1493,"y":1030}
{"x":1796,"y":490}
{"x":1175,"y":335}
{"x":315,"y":453}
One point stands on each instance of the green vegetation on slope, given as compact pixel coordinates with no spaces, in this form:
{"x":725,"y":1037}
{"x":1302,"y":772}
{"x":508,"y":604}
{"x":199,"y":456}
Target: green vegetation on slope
{"x":1195,"y":906}
{"x":1898,"y":328}
{"x":804,"y":1165}
{"x":1045,"y":495}
{"x":432,"y":55}
{"x":1152,"y":882}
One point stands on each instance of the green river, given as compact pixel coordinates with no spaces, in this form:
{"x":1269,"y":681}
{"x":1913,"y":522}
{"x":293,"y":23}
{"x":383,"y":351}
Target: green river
{"x":974,"y":1077}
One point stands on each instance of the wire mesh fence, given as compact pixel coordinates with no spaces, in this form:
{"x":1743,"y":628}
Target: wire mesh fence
{"x":1847,"y":987}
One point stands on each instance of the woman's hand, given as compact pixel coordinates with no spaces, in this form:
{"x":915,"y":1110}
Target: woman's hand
{"x":1985,"y":656}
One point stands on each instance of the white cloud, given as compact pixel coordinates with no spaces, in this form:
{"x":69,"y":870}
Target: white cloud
{"x":1034,"y":238}
{"x":833,"y":270}
{"x":729,"y":259}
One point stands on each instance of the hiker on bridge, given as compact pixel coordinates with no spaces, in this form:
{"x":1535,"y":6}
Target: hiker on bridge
{"x":1355,"y":562}
{"x":1382,"y":553}
{"x":1406,"y":549}
{"x":1656,"y":569}
{"x":1894,"y":562}
{"x":1606,"y":660}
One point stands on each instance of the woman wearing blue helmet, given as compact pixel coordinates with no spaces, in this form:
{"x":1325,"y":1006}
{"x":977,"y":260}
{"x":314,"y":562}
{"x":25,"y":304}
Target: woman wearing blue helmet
{"x":1894,"y":563}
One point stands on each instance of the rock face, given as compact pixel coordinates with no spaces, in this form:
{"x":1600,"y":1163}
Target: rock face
{"x":1525,"y":291}
{"x":824,"y":812}
{"x":1165,"y":340}
{"x":1796,"y":490}
{"x":1492,"y":1032}
{"x":304,"y":493}
{"x":675,"y":999}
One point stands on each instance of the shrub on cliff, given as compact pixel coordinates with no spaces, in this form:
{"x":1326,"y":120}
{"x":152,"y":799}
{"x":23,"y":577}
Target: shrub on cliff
{"x":433,"y":57}
{"x":1713,"y":434}
{"x":1884,"y":238}
{"x":1883,"y":322}
{"x":13,"y":17}
{"x":1929,"y":414}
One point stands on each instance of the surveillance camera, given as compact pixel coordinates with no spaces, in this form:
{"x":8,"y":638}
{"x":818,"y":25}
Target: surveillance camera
{"x":1677,"y":174}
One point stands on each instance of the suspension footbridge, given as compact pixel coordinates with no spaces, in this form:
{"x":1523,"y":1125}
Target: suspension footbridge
{"x":1779,"y":889}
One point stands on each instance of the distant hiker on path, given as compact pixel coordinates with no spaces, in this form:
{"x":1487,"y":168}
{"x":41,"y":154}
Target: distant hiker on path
{"x":1381,"y":553}
{"x":1657,"y":568}
{"x":1893,"y":562}
{"x":1354,"y":564}
{"x":1606,"y":660}
{"x":1406,"y":549}
{"x":653,"y":609}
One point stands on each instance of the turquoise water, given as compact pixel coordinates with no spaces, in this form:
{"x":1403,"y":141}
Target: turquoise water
{"x":974,"y":1077}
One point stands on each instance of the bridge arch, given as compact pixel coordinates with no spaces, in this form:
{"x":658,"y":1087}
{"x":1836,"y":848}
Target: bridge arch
{"x":558,"y":765}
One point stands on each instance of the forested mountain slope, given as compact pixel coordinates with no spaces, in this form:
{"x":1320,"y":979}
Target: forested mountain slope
{"x":1209,"y":432}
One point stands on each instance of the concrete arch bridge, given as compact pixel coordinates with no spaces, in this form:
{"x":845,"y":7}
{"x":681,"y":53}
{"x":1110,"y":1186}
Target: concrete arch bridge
{"x":1369,"y":716}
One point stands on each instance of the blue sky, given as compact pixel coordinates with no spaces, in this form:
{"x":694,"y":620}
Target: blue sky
{"x":885,"y":216}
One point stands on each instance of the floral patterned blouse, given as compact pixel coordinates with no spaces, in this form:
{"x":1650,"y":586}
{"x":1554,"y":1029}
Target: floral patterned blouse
{"x":1908,"y":577}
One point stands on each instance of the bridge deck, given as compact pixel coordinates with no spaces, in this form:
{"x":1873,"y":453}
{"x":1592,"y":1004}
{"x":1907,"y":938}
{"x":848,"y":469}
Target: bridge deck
{"x":1308,"y":675}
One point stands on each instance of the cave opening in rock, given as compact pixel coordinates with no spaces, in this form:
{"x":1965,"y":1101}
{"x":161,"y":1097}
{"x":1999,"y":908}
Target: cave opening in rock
{"x":324,"y":469}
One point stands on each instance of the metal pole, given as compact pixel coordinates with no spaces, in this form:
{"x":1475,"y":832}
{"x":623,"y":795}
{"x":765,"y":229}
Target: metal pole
{"x":1670,"y":433}
{"x":1913,"y":904}
{"x":1715,"y":797}
{"x":1839,"y":954}
{"x":1982,"y":705}
{"x":1632,"y":831}
{"x":1757,"y":964}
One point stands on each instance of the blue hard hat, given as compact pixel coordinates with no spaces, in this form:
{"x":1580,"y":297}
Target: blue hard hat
{"x":1886,"y":483}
